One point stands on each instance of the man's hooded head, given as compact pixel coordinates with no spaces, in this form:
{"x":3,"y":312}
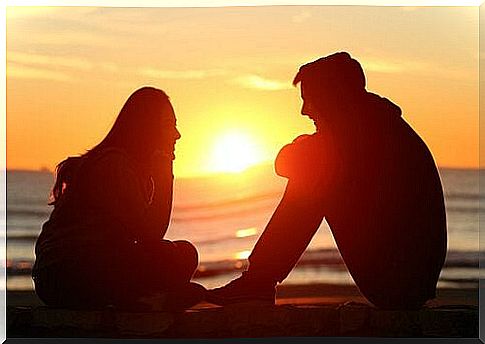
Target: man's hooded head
{"x":336,"y":74}
{"x":330,"y":85}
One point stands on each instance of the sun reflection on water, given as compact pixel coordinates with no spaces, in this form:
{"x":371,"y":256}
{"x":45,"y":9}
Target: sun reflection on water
{"x":246,"y":232}
{"x":243,"y":254}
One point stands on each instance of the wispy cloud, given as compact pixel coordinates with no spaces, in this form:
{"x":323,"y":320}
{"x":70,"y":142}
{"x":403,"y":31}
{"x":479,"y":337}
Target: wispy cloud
{"x":48,"y":67}
{"x":180,"y":74}
{"x":25,"y":72}
{"x":260,"y":83}
{"x":51,"y":61}
{"x":417,"y":67}
{"x":382,"y":66}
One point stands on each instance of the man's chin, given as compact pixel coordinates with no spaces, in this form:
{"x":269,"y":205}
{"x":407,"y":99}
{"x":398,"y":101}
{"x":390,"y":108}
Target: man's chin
{"x":316,"y":125}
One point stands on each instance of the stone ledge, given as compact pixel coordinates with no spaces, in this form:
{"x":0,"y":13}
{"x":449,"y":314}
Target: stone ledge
{"x":245,"y":322}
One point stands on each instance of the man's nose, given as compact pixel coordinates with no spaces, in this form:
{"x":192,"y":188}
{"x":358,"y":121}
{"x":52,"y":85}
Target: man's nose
{"x":177,"y":134}
{"x":304,"y":111}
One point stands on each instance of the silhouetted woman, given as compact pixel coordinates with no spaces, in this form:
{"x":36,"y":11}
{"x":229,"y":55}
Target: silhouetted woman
{"x":102,"y":244}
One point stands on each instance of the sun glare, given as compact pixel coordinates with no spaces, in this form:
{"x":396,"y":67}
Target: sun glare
{"x":234,"y":152}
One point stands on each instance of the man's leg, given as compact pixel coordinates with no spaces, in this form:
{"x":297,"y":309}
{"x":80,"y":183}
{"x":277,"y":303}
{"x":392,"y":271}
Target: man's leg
{"x":285,"y":238}
{"x":287,"y":235}
{"x":277,"y":251}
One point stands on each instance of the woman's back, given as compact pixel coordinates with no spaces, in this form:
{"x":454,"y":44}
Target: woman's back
{"x":104,"y":199}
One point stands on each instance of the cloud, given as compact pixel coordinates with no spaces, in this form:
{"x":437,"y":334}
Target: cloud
{"x":24,"y":72}
{"x":256,"y":82}
{"x":51,"y":61}
{"x":382,"y":66}
{"x":180,"y":74}
{"x":58,"y":68}
{"x":301,"y":17}
{"x":418,"y":67}
{"x":67,"y":26}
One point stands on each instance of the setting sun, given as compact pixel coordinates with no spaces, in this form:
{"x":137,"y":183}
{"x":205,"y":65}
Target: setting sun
{"x":161,"y":162}
{"x":234,"y":152}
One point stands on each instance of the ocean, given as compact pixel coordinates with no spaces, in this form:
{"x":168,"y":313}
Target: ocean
{"x":223,"y":215}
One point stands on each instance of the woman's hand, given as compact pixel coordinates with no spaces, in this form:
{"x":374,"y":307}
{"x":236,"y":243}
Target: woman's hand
{"x":160,"y":161}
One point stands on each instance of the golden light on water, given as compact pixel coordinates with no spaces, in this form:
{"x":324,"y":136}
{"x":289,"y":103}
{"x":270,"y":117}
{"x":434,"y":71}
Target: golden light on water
{"x":234,"y":152}
{"x":243,"y":254}
{"x":247,"y":232}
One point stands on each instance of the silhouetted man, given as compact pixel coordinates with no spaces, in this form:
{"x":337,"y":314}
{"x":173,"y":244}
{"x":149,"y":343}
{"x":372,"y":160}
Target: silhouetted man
{"x":371,"y":177}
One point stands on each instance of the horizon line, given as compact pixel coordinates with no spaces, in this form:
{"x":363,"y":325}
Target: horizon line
{"x":210,"y":174}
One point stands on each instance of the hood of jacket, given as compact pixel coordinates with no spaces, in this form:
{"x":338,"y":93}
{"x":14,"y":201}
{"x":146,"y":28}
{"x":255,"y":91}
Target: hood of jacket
{"x":375,"y":105}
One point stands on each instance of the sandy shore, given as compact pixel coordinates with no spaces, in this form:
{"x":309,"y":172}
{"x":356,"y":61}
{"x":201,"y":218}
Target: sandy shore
{"x":302,"y":294}
{"x":301,"y":310}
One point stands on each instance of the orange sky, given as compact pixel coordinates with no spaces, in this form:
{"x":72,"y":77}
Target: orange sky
{"x":229,"y":70}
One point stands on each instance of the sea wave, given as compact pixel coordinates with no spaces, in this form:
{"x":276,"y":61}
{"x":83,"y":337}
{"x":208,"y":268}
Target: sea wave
{"x":228,"y":202}
{"x":328,"y":258}
{"x":214,"y":211}
{"x":22,"y":212}
{"x":464,"y":209}
{"x":464,"y":195}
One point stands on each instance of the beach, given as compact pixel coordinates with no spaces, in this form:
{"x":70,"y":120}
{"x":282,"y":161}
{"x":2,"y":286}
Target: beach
{"x":301,"y":310}
{"x":299,"y":294}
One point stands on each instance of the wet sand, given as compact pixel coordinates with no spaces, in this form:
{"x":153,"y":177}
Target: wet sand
{"x":303,"y":294}
{"x":315,"y":310}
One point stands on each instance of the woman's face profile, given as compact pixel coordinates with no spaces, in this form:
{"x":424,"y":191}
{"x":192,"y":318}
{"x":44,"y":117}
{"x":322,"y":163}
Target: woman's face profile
{"x":169,"y":132}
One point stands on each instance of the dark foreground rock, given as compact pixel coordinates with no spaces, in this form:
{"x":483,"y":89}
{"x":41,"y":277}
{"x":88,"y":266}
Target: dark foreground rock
{"x":245,"y":321}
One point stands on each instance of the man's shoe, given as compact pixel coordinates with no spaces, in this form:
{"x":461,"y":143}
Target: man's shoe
{"x":184,"y":297}
{"x":243,"y":290}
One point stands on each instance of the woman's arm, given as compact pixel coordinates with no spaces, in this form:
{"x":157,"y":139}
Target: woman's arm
{"x":161,"y":174}
{"x":123,"y":196}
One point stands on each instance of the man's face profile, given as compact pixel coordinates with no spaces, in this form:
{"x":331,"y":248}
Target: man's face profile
{"x":309,"y":107}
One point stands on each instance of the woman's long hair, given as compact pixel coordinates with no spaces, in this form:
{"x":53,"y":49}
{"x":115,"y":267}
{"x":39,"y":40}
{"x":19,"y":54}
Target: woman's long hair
{"x":136,"y":131}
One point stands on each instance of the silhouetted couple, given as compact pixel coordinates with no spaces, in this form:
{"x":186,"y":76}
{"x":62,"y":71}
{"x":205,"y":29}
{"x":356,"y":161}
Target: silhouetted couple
{"x":364,"y":170}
